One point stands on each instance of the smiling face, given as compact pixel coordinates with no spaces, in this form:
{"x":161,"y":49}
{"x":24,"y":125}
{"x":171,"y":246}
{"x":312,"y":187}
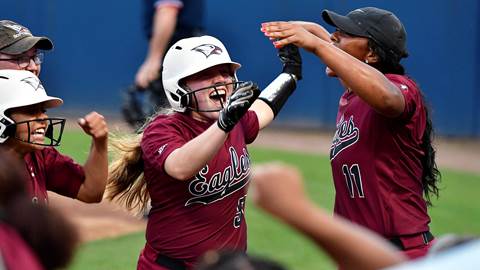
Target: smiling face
{"x":211,"y":88}
{"x":28,"y":134}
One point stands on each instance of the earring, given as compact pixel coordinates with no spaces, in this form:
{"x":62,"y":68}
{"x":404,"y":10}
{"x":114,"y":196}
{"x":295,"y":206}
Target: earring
{"x":366,"y":61}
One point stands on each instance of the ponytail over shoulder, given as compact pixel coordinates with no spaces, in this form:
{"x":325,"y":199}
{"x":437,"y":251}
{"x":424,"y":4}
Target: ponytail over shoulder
{"x":126,"y":182}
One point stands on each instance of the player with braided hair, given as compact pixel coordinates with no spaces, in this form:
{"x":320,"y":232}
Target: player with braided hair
{"x":193,"y":162}
{"x":382,"y":156}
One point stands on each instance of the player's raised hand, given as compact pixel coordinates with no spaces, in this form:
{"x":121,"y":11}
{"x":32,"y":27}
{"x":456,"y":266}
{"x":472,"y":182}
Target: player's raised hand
{"x":94,"y":125}
{"x":283,"y":33}
{"x":291,"y":59}
{"x":237,"y":105}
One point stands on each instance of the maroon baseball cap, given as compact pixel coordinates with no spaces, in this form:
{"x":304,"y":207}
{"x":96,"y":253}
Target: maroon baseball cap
{"x":17,"y":39}
{"x":381,"y":26}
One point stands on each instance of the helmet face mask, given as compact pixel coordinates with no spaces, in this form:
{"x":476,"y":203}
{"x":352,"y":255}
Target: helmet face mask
{"x":52,"y":134}
{"x":218,"y":95}
{"x":188,"y":57}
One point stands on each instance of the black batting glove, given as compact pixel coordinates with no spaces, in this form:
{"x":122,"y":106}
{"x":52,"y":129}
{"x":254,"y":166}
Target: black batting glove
{"x":237,"y":105}
{"x":291,"y":59}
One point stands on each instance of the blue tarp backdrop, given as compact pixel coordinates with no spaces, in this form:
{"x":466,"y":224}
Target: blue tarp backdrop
{"x":100,"y":44}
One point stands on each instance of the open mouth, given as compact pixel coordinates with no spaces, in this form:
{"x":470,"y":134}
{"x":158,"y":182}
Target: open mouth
{"x":38,"y":134}
{"x":213,"y":99}
{"x":219,"y":95}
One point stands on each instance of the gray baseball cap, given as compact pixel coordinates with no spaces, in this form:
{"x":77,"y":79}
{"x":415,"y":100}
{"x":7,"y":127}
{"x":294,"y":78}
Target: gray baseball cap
{"x":17,"y":39}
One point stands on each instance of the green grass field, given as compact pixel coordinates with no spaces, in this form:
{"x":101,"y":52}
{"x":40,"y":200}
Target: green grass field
{"x":455,"y":212}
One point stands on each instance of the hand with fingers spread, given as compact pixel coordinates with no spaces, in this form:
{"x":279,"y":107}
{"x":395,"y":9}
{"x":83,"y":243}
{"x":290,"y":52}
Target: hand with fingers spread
{"x":315,"y":29}
{"x":284,"y":33}
{"x":237,"y":105}
{"x":94,"y":125}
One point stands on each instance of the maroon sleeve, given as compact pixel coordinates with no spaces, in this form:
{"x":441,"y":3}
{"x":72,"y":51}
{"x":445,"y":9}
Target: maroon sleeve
{"x":160,"y":139}
{"x":250,"y":126}
{"x":409,"y":91}
{"x":63,"y":175}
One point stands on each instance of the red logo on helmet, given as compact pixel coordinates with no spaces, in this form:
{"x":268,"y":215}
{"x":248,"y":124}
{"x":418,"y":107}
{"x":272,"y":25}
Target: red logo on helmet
{"x":208,"y":49}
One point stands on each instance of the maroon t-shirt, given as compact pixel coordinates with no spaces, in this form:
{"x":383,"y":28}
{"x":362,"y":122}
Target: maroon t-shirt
{"x":206,"y":212}
{"x":376,"y":164}
{"x":50,"y":170}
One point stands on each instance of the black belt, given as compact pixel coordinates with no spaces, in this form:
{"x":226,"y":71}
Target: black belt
{"x":427,"y":237}
{"x":170,"y":263}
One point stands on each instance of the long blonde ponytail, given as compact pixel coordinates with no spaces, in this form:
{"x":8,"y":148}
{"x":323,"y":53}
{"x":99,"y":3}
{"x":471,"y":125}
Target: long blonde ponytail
{"x":126,"y":182}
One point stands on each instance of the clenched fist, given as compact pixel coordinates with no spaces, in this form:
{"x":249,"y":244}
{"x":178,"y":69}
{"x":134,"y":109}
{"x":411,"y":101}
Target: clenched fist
{"x":94,"y":125}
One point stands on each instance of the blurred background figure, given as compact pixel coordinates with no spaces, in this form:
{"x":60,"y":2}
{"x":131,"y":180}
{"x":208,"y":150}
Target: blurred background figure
{"x":32,"y":236}
{"x":165,"y":22}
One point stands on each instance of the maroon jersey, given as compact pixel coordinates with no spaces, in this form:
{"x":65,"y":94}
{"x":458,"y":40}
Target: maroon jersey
{"x":206,"y":212}
{"x":50,"y":170}
{"x":14,"y":252}
{"x":376,"y":164}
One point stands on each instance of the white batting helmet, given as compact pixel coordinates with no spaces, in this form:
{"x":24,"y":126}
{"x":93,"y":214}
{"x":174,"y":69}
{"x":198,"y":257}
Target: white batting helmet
{"x":187,"y":57}
{"x":20,"y":88}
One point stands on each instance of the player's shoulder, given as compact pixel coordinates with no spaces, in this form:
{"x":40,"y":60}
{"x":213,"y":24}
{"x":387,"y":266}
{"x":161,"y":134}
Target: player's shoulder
{"x":47,"y":157}
{"x":159,"y":120}
{"x":166,"y":122}
{"x":45,"y":152}
{"x":404,"y":82}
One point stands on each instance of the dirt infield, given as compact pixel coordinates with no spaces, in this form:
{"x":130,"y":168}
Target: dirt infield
{"x":97,"y":221}
{"x":109,"y":220}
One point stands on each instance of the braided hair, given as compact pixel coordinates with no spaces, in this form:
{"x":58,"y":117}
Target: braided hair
{"x":389,"y":62}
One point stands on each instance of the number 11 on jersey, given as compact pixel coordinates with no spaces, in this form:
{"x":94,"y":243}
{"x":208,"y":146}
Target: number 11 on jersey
{"x":353,"y":179}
